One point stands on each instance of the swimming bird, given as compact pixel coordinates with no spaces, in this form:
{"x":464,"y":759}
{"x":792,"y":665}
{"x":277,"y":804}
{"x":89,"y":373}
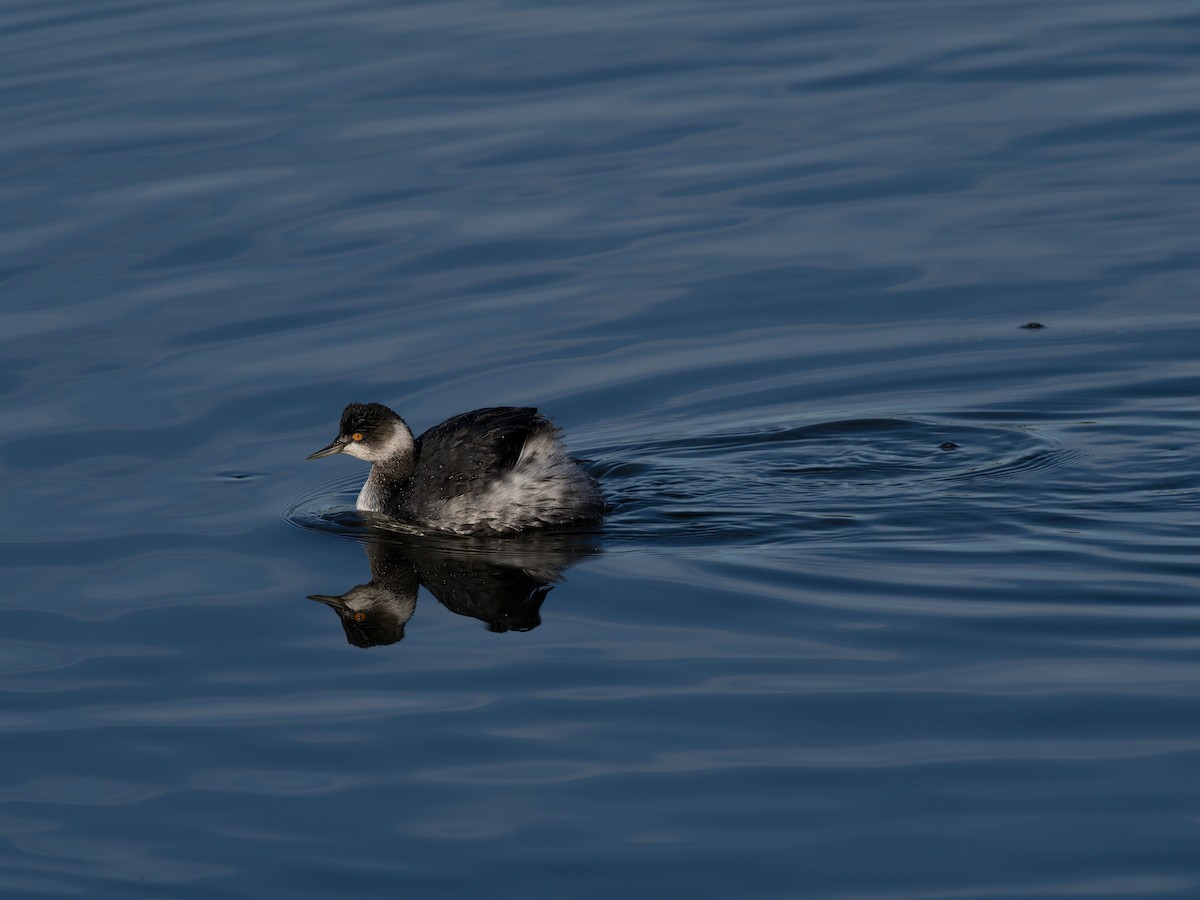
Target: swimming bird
{"x":489,"y":471}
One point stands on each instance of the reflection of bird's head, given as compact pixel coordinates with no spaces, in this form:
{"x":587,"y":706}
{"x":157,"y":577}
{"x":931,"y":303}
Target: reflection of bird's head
{"x":371,"y":614}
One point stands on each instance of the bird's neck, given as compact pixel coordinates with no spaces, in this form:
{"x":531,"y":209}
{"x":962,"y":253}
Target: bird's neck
{"x":388,"y":483}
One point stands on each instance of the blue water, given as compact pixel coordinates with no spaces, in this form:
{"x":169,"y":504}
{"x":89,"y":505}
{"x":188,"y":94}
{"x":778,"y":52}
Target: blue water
{"x":898,"y":598}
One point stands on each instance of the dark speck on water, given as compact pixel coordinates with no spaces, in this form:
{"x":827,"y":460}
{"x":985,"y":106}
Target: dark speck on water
{"x":757,"y":260}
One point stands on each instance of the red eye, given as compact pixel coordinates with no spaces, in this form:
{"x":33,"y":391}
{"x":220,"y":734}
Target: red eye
{"x":360,"y":617}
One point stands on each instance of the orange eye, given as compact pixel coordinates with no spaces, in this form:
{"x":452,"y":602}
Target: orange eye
{"x":360,"y":617}
{"x":357,"y":436}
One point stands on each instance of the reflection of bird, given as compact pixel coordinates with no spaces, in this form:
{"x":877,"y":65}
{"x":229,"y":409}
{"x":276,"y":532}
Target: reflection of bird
{"x":489,"y":471}
{"x":502,"y":583}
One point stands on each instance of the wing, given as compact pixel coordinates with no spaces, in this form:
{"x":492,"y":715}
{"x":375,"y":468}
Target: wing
{"x":466,"y":452}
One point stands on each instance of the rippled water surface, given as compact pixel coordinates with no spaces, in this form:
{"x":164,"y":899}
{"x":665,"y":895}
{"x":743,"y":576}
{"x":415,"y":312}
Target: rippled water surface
{"x":898,"y":598}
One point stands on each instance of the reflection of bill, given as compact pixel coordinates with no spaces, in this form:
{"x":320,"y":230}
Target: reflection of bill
{"x":500,"y":582}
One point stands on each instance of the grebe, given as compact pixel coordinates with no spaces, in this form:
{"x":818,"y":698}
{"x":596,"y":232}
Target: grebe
{"x":489,"y":471}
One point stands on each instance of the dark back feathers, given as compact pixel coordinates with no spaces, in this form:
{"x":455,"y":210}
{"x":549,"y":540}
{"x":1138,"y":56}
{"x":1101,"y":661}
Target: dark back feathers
{"x":453,"y":456}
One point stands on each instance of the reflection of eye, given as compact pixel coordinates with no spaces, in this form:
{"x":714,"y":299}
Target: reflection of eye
{"x":360,"y":617}
{"x":357,"y":436}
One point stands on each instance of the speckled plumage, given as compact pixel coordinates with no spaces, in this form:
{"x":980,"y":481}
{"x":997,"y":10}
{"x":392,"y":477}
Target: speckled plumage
{"x":489,"y":471}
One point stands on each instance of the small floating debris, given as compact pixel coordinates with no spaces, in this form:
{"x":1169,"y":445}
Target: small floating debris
{"x":1033,"y":326}
{"x":948,"y":445}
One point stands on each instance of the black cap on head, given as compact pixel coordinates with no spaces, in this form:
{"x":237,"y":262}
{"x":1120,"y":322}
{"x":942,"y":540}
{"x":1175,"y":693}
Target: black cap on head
{"x":366,"y":418}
